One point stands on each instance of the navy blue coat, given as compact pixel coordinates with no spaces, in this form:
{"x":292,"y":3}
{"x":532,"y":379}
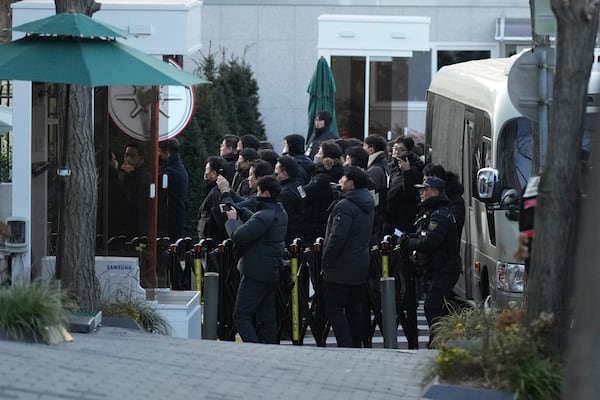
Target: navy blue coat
{"x":259,"y":238}
{"x":346,"y":245}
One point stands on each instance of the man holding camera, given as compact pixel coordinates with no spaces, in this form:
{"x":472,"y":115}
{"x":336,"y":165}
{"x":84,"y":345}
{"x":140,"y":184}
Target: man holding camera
{"x":259,"y":238}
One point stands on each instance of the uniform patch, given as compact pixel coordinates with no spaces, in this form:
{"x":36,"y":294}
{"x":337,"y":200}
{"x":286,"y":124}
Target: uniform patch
{"x":338,"y":218}
{"x":432,"y":226}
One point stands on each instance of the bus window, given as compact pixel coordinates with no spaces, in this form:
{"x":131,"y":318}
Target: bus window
{"x":514,"y":153}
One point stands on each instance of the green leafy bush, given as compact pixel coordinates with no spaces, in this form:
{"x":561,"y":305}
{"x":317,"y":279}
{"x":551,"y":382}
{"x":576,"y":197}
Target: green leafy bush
{"x":141,"y":312}
{"x":29,"y":311}
{"x":497,"y":350}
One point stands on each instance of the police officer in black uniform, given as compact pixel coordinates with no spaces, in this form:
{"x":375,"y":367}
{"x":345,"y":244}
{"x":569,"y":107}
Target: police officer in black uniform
{"x":436,"y":247}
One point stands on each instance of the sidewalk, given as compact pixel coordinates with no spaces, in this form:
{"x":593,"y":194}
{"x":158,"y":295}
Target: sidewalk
{"x":121,"y":364}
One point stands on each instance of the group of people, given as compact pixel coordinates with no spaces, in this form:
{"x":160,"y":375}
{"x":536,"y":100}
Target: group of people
{"x":127,"y":188}
{"x":349,"y":192}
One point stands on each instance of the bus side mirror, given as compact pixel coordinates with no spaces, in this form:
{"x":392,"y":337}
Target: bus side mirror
{"x":486,"y":181}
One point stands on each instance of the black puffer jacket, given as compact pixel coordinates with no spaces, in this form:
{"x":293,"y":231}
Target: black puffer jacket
{"x":346,"y":245}
{"x":319,"y":197}
{"x":260,"y":240}
{"x":436,"y":238}
{"x":403,"y":197}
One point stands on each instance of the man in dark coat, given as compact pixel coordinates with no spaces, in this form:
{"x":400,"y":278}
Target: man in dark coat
{"x":134,"y":181}
{"x":403,"y":196}
{"x":228,"y":150}
{"x":345,"y":260}
{"x":171,"y":199}
{"x":378,"y":170}
{"x":259,"y":239}
{"x":435,"y":244}
{"x":292,"y":196}
{"x":293,"y":145}
{"x":322,"y":132}
{"x":210,"y":219}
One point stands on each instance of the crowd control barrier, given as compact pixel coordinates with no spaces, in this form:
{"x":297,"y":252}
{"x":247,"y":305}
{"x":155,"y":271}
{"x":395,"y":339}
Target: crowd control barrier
{"x":185,"y":265}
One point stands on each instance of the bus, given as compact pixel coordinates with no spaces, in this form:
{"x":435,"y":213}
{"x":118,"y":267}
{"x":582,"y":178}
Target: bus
{"x":471,"y":124}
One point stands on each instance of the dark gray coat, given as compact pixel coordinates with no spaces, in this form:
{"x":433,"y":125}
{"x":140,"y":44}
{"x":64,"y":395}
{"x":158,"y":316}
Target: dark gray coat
{"x":346,"y":245}
{"x":259,"y":238}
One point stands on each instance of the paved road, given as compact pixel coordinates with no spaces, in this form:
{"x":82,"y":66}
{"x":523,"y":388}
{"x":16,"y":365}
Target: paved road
{"x":122,"y":364}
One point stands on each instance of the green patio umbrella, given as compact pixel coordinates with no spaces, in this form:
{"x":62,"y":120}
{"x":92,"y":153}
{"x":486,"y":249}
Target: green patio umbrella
{"x":322,"y":95}
{"x":72,"y":48}
{"x":71,"y":24}
{"x":87,"y":62}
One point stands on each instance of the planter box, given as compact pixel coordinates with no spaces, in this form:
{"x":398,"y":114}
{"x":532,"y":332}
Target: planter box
{"x":445,"y":391}
{"x":182,"y":310}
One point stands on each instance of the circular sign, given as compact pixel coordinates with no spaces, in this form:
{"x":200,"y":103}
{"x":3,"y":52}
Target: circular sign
{"x":129,"y":107}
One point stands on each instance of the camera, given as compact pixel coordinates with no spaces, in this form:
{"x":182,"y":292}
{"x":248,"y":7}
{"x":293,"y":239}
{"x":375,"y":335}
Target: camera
{"x":225,"y":207}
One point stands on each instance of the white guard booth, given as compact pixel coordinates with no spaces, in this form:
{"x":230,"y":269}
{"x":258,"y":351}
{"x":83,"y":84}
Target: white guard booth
{"x":157,"y":27}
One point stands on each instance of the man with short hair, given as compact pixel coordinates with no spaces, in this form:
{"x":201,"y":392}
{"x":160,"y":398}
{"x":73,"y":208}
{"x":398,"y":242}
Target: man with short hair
{"x":345,"y":260}
{"x":402,"y":197}
{"x":292,"y":195}
{"x":248,"y":141}
{"x":379,"y":171}
{"x":435,"y":246}
{"x":210,"y":221}
{"x":134,"y":180}
{"x":240,"y":179}
{"x":228,"y":150}
{"x":293,"y":145}
{"x":258,"y":169}
{"x":259,"y":238}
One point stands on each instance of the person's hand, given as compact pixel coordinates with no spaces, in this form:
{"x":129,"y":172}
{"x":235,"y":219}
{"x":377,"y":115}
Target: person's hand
{"x":223,"y":184}
{"x":127,"y":168}
{"x":232,"y":214}
{"x":404,"y":164}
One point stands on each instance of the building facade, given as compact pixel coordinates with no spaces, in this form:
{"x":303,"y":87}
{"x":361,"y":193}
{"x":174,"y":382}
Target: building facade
{"x":381,"y":86}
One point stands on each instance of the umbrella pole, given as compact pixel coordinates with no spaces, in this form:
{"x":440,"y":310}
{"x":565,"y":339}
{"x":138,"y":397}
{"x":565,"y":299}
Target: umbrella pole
{"x":153,"y":201}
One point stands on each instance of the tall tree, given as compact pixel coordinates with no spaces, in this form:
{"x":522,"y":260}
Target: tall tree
{"x":553,"y":262}
{"x":77,"y":231}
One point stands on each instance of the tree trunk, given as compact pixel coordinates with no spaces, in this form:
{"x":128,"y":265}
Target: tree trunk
{"x":583,"y":369}
{"x":77,"y":230}
{"x":552,"y":264}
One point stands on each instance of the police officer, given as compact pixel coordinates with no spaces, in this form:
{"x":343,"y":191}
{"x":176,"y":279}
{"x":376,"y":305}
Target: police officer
{"x":436,"y":247}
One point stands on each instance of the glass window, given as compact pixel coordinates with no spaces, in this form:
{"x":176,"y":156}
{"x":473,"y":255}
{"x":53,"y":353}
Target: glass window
{"x":447,"y":57}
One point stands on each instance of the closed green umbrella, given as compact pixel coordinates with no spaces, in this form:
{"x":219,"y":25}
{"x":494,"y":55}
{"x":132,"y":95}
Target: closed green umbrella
{"x":322,"y":95}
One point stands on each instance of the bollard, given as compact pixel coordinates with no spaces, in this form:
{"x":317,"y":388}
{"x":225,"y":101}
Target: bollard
{"x":384,"y":247}
{"x":295,"y":304}
{"x":388,"y":308}
{"x":198,"y":269}
{"x":211,"y":304}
